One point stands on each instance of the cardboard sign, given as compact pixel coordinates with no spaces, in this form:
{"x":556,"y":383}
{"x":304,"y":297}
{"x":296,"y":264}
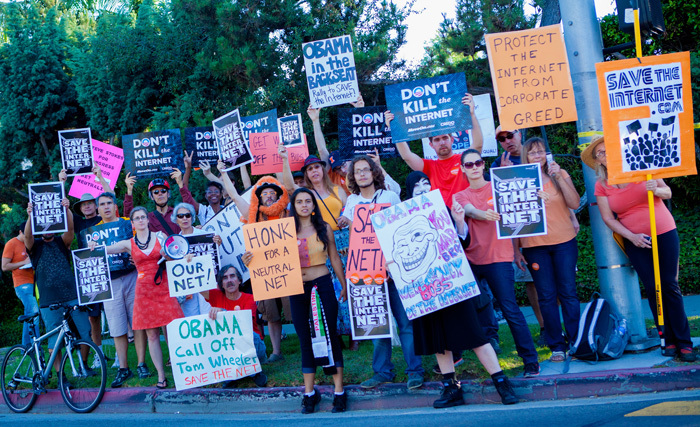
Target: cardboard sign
{"x":424,"y":255}
{"x":76,"y":151}
{"x":260,"y":123}
{"x":361,"y":130}
{"x":48,"y":216}
{"x":647,"y":112}
{"x":275,"y":270}
{"x":515,"y":197}
{"x":204,"y":351}
{"x":107,"y":234}
{"x":233,"y":148}
{"x":330,"y":71}
{"x":428,"y":107}
{"x":92,"y":277}
{"x":201,"y":142}
{"x":290,"y":130}
{"x":267,"y":161}
{"x":110,"y":159}
{"x":187,"y":278}
{"x":463,"y":140}
{"x":227,"y":224}
{"x":153,"y":154}
{"x":368,"y":296}
{"x":203,"y":244}
{"x":531,"y":79}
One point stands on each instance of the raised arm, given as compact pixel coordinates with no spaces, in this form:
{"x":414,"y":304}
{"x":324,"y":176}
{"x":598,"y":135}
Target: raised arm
{"x":413,"y":160}
{"x":97,"y":171}
{"x":245,"y":178}
{"x":184,"y":191}
{"x":28,"y":236}
{"x":70,"y":229}
{"x":287,"y":178}
{"x":240,"y":202}
{"x":187,"y":159}
{"x":477,"y":142}
{"x":314,"y":115}
{"x":206,"y":171}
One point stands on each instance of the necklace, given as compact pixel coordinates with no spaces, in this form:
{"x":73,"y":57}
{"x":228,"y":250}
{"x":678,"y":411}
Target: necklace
{"x":143,"y":246}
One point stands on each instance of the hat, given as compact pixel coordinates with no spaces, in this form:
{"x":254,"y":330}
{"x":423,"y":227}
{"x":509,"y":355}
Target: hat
{"x":297,"y":174}
{"x":499,"y":131}
{"x":158,"y":182}
{"x":588,"y":155}
{"x":259,"y":189}
{"x":310,"y":161}
{"x":335,"y":159}
{"x":86,"y":197}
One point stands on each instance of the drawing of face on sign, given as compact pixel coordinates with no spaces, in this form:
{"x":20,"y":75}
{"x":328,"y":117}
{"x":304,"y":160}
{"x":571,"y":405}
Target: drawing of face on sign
{"x":415,"y":247}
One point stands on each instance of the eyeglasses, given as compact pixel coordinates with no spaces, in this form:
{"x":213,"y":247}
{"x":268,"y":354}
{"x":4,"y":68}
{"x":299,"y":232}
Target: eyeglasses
{"x":537,"y":153}
{"x":185,"y":215}
{"x":159,"y":191}
{"x":600,"y":154}
{"x":362,"y":171}
{"x":212,"y":192}
{"x":139,"y":218}
{"x":469,"y":165}
{"x":502,"y":138}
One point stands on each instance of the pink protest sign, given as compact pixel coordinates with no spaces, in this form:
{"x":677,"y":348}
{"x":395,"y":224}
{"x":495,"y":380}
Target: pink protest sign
{"x":110,"y":159}
{"x":264,"y":148}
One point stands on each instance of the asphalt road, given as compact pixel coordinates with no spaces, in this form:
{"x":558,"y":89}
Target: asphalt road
{"x":650,"y":410}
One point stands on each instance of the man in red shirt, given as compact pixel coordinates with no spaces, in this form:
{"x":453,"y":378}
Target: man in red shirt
{"x":444,"y":173}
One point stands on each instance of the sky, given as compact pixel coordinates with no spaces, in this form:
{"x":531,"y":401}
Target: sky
{"x":423,"y":26}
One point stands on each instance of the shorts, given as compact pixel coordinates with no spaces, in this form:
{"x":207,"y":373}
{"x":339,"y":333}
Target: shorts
{"x":53,"y":318}
{"x":272,"y":309}
{"x":120,"y":310}
{"x":94,"y":310}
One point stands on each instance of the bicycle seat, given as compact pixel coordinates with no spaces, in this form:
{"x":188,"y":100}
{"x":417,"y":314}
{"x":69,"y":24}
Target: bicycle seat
{"x":27,"y":317}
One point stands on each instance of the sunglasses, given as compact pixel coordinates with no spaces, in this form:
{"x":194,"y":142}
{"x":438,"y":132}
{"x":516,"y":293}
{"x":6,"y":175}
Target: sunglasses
{"x":503,"y":138}
{"x":159,"y":191}
{"x":185,"y":215}
{"x":469,"y":165}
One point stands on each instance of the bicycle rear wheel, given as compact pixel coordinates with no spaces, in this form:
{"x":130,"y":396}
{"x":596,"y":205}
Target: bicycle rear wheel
{"x":18,"y":370}
{"x":82,"y":381}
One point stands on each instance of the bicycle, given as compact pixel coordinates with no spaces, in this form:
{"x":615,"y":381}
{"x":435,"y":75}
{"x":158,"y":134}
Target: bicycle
{"x":83,"y":372}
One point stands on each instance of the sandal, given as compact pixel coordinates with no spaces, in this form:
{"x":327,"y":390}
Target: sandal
{"x":558,"y":356}
{"x":162,"y":384}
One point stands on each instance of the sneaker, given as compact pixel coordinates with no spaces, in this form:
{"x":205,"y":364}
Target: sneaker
{"x":373,"y":382}
{"x":436,"y":368}
{"x":260,"y":379}
{"x":96,"y":363}
{"x":687,"y":355}
{"x":531,"y":370}
{"x":275,"y":358}
{"x":496,"y":346}
{"x":123,"y":375}
{"x":340,"y":403}
{"x":505,"y":390}
{"x":143,"y":371}
{"x":558,"y":356}
{"x":669,"y":351}
{"x":308,"y":403}
{"x":451,"y":395}
{"x":414,"y":381}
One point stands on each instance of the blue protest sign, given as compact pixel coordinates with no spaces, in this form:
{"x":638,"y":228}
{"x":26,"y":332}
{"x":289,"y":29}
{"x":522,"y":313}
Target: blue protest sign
{"x":361,"y":130}
{"x":153,"y":154}
{"x":201,"y":142}
{"x":260,"y":123}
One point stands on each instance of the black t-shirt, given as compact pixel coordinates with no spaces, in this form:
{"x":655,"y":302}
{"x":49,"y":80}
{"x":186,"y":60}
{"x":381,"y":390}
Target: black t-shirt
{"x":81,"y":224}
{"x":53,"y":272}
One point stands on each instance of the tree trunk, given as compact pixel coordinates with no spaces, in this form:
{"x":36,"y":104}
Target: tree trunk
{"x":550,"y":12}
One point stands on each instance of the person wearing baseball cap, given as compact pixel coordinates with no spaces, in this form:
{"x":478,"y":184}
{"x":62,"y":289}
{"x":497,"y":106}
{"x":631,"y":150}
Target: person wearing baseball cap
{"x":511,"y":142}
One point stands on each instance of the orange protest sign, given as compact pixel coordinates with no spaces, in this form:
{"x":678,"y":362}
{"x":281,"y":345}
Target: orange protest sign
{"x":275,"y":270}
{"x":531,"y":79}
{"x":647,"y":110}
{"x":264,"y":148}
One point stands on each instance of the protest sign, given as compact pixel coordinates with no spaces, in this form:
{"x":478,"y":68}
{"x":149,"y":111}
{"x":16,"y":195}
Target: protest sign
{"x":110,"y":160}
{"x":48,"y":216}
{"x":463,"y":140}
{"x":330,"y":71}
{"x":368,"y":296}
{"x":291,"y":130}
{"x":227,"y":224}
{"x":515,"y":199}
{"x":205,"y":351}
{"x":647,"y":113}
{"x":267,"y":160}
{"x":201,"y":142}
{"x":275,"y":270}
{"x":187,"y":278}
{"x":107,"y":234}
{"x":203,"y":244}
{"x":424,"y":255}
{"x":531,"y":80}
{"x":361,"y":130}
{"x":233,"y":148}
{"x":428,"y":107}
{"x":259,"y":123}
{"x":76,"y":151}
{"x":153,"y":154}
{"x":92,"y":277}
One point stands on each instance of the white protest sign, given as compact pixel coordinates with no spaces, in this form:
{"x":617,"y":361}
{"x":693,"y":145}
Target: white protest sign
{"x":205,"y":351}
{"x":187,"y":278}
{"x":330,"y":71}
{"x":227,"y":224}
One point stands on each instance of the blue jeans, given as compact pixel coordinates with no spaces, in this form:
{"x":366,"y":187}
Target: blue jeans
{"x":501,"y":279}
{"x":25,"y":293}
{"x":556,"y":279}
{"x":381,"y":360}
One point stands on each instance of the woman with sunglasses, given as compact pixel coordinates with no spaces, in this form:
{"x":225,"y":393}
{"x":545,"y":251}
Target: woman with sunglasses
{"x":316,"y":245}
{"x":551,"y":258}
{"x":153,"y":305}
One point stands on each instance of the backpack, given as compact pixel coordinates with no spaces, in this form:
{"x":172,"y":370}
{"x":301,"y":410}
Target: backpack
{"x":602,"y":333}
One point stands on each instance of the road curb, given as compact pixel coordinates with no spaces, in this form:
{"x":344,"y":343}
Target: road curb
{"x":387,"y":396}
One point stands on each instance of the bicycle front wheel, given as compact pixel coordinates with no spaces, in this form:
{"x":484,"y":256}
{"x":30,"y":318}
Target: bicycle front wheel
{"x":18,"y":370}
{"x":83,"y":376}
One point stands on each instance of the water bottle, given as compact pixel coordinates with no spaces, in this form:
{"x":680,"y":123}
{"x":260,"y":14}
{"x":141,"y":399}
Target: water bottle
{"x":618,"y":341}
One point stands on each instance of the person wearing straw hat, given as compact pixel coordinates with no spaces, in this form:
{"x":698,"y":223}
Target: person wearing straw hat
{"x":625,"y":210}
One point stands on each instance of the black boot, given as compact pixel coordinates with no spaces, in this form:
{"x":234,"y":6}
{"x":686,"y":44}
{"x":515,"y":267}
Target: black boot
{"x":504,"y":388}
{"x":451,"y":394}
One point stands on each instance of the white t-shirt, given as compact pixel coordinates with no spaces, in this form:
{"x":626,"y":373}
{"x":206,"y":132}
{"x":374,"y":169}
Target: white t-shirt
{"x":380,"y":196}
{"x":205,"y":213}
